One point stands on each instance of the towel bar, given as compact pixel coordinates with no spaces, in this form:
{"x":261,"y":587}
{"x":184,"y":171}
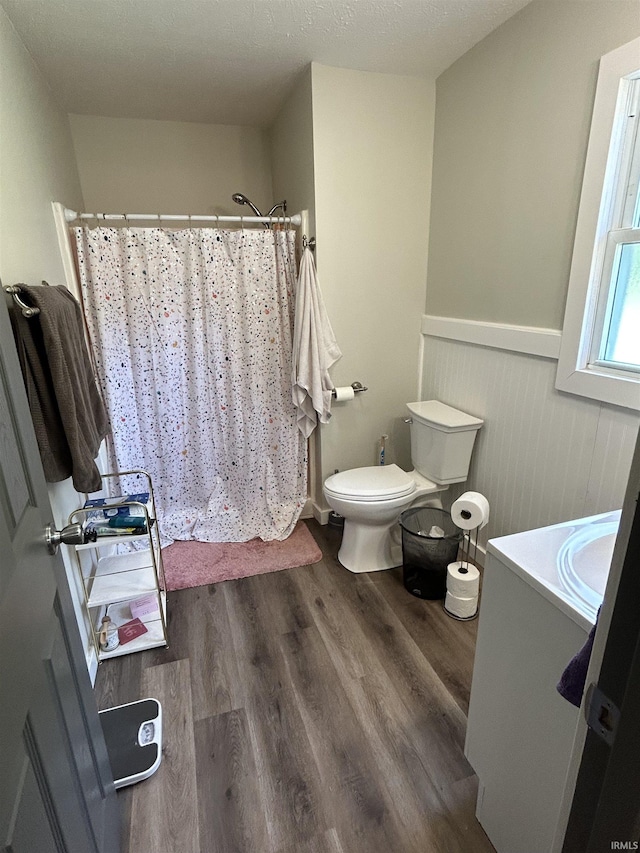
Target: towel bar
{"x":27,"y":310}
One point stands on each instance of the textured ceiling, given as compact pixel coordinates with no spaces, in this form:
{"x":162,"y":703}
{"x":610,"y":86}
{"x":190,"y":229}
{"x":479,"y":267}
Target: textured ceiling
{"x":234,"y":61}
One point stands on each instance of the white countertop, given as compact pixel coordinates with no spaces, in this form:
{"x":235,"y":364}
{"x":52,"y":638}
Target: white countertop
{"x":567,"y":563}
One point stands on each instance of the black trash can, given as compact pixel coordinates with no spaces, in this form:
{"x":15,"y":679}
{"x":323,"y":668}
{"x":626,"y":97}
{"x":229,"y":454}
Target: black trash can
{"x":430,"y":541}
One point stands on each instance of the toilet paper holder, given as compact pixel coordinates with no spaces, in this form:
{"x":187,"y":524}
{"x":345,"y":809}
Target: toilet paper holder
{"x":357,"y":387}
{"x":472,"y":515}
{"x":465,"y":562}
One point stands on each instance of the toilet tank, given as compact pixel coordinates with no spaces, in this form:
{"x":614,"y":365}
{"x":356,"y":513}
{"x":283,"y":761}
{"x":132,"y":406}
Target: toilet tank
{"x":441,"y":441}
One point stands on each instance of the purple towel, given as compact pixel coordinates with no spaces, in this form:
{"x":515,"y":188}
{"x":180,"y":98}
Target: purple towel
{"x":571,"y":684}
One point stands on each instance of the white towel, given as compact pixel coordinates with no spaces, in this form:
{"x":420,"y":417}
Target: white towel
{"x":314,"y":351}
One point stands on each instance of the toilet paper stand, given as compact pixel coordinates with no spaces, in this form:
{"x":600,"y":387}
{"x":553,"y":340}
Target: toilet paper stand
{"x":470,"y":512}
{"x":465,"y":558}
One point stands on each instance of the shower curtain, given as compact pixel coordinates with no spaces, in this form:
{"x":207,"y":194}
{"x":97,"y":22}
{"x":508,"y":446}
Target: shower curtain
{"x":191,"y":332}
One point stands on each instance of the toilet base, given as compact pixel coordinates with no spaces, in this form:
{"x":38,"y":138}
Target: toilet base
{"x":370,"y":547}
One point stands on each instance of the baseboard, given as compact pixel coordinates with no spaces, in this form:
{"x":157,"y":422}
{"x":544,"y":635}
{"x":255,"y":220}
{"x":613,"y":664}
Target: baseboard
{"x":312,"y":510}
{"x":307,"y":509}
{"x":321,"y":515}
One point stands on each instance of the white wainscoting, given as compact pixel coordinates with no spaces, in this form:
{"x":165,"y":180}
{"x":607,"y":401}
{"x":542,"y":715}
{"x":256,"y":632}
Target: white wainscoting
{"x":542,"y":456}
{"x":527,"y":339}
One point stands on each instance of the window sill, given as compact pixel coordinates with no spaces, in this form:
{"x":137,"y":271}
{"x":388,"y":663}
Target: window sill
{"x":601,"y":385}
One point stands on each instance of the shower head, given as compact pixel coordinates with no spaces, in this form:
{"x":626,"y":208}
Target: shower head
{"x":282,"y":205}
{"x":239,"y":198}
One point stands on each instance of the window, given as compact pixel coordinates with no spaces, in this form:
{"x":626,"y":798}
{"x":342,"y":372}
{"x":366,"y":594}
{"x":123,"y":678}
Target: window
{"x":600,"y":352}
{"x":616,"y":338}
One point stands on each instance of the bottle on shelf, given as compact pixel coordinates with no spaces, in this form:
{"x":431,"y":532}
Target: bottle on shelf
{"x":108,"y":638}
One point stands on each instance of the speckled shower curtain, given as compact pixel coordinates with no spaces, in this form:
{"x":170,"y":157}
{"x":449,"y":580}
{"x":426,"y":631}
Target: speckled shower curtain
{"x":191,"y":331}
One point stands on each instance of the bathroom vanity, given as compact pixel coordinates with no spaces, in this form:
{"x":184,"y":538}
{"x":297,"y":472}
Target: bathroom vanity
{"x":541,"y":593}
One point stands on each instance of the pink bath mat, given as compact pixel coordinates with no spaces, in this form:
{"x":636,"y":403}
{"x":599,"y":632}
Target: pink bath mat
{"x":188,"y":564}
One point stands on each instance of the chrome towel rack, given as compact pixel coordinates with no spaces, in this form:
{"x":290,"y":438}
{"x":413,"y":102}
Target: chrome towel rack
{"x":15,"y":291}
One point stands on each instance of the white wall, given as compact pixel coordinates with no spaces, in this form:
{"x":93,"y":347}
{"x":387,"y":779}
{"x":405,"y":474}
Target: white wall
{"x":372,"y":142}
{"x":292,"y":167}
{"x":37,"y":166}
{"x":291,"y":150}
{"x":512,"y":126}
{"x":145,"y":166}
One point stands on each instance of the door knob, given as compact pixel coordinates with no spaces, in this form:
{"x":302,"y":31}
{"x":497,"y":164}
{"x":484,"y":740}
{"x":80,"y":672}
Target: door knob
{"x":72,"y":534}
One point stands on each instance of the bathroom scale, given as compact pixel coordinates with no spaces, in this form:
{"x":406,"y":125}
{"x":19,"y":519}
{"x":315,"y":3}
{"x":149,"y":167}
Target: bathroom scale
{"x":133,"y":734}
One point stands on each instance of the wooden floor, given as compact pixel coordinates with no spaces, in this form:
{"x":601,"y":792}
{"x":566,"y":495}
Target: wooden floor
{"x":305,"y":711}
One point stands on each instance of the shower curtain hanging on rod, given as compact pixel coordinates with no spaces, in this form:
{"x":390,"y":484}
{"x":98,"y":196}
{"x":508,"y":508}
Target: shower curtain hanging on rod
{"x":295,"y":220}
{"x":192,"y":336}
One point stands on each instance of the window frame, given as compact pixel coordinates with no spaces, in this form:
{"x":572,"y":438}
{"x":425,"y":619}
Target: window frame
{"x":578,"y":373}
{"x":616,"y":240}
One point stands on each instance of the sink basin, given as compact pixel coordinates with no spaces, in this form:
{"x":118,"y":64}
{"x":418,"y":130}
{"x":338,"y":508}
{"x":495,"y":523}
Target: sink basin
{"x":581,"y":560}
{"x":568,"y":563}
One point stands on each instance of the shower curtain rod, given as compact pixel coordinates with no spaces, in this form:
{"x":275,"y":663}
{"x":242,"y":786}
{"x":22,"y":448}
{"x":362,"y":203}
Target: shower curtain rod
{"x":73,"y":216}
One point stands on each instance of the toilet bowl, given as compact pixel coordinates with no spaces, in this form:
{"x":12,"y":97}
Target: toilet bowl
{"x":371,"y":501}
{"x":372,"y":498}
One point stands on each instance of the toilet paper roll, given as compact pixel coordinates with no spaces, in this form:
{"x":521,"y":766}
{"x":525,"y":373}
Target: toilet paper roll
{"x":470,"y":511}
{"x":463,"y":579}
{"x":463,"y":608}
{"x":344,"y":392}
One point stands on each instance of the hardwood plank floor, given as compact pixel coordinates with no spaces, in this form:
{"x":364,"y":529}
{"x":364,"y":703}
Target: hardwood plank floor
{"x":164,"y":817}
{"x":228,"y":790}
{"x":289,"y":782}
{"x":306,"y":711}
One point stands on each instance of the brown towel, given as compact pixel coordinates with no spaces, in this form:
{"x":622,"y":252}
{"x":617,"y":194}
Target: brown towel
{"x":67,"y":411}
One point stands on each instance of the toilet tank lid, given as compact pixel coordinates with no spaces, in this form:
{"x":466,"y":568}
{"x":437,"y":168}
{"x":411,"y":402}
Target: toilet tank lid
{"x":443,"y":417}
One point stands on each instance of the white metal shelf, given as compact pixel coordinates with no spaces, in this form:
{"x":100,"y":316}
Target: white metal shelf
{"x":105,"y":589}
{"x":154,"y":637}
{"x":111,"y":582}
{"x":88,"y":515}
{"x":115,"y":564}
{"x":103,"y":541}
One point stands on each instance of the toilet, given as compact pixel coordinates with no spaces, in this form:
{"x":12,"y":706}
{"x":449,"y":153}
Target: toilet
{"x":371,"y":499}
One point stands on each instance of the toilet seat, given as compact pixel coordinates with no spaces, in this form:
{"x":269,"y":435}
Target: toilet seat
{"x":372,"y":483}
